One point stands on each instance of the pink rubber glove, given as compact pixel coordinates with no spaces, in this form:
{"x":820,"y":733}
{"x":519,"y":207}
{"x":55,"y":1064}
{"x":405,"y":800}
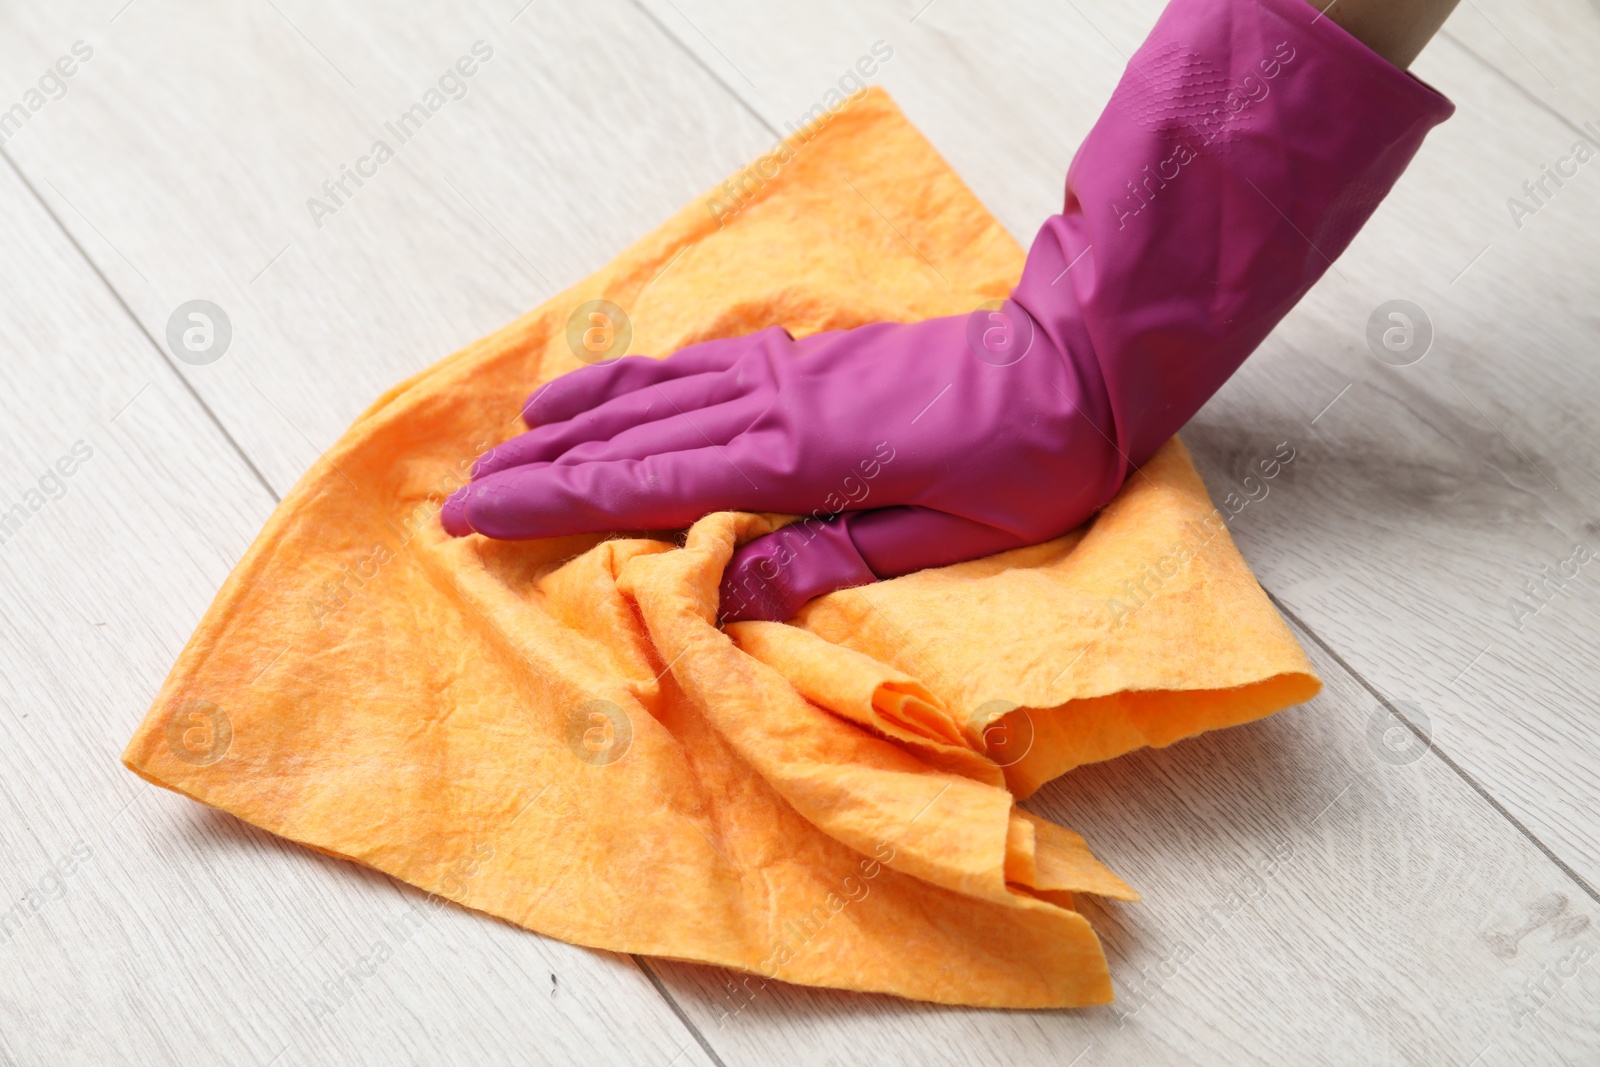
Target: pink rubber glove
{"x":1246,"y":144}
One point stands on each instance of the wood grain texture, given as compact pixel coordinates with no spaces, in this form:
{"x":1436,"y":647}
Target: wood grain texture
{"x":1544,"y":47}
{"x":181,"y":159}
{"x":186,"y":150}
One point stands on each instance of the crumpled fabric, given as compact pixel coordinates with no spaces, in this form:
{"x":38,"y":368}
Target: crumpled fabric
{"x":557,"y":733}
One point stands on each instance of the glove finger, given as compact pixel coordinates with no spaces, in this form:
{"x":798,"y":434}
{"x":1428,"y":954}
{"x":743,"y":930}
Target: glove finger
{"x":659,"y":492}
{"x":589,"y":387}
{"x":641,"y":407}
{"x":899,"y":540}
{"x":772,"y":577}
{"x":683,"y":431}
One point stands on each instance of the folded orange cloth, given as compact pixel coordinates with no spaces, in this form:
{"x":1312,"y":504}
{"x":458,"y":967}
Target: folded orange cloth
{"x":557,"y":733}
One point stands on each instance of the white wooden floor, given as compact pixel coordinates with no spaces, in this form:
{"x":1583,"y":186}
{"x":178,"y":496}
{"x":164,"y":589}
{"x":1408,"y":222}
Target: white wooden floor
{"x":1436,"y":905}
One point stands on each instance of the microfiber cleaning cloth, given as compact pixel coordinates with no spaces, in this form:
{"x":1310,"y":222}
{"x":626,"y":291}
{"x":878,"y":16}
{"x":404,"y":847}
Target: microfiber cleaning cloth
{"x":556,"y":732}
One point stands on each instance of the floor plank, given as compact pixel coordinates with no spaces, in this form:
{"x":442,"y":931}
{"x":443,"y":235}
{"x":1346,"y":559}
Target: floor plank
{"x":1544,"y":47}
{"x":583,"y":130}
{"x":142,"y":928}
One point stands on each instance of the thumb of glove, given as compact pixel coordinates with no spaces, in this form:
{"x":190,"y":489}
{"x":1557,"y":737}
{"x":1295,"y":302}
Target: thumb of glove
{"x":771,"y":577}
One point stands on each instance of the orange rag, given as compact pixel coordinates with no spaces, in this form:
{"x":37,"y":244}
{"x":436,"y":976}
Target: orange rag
{"x":557,"y":733}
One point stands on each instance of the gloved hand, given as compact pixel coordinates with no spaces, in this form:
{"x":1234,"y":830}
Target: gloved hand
{"x":1244,"y":147}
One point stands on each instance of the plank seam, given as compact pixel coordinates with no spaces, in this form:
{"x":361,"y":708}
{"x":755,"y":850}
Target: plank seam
{"x":677,"y":1009}
{"x":1521,"y":89}
{"x":1433,"y":747}
{"x":703,"y":65}
{"x":139,"y":324}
